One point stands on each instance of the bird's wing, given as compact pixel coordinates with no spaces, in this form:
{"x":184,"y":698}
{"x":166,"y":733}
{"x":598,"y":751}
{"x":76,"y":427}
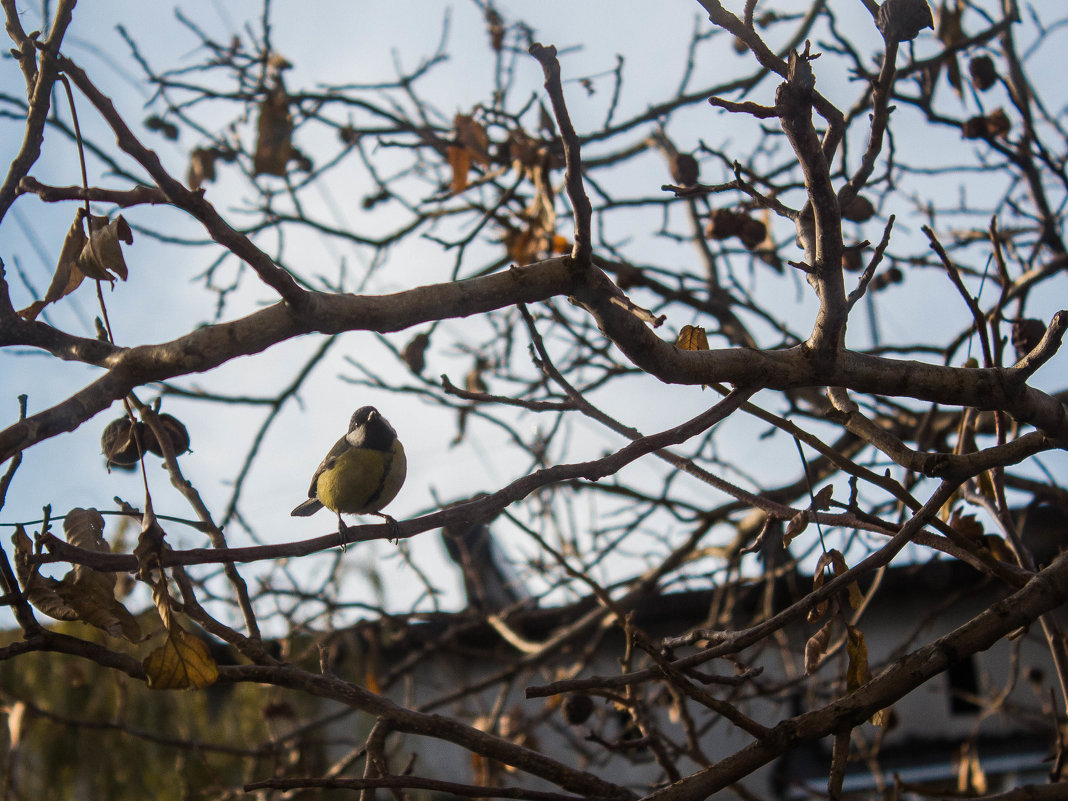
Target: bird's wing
{"x":339,"y":448}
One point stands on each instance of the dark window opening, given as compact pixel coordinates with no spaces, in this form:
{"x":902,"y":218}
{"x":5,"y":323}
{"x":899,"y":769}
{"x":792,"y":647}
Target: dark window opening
{"x":963,"y":687}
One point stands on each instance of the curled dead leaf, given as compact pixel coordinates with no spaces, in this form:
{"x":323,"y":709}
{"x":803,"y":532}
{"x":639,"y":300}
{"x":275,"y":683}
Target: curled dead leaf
{"x":101,"y":256}
{"x":274,"y":134}
{"x":201,"y":166}
{"x":84,"y":594}
{"x":472,"y":137}
{"x":67,"y":277}
{"x":816,"y":647}
{"x":414,"y":353}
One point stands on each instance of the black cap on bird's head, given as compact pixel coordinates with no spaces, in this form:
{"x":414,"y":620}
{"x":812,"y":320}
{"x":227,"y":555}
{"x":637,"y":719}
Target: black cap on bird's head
{"x":373,"y":430}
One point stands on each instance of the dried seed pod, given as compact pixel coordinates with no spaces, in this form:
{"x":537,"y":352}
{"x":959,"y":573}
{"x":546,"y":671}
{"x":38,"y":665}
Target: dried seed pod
{"x":119,"y":443}
{"x":1026,"y":334}
{"x":684,"y":169}
{"x":753,"y":233}
{"x":176,"y":433}
{"x":858,"y":210}
{"x":902,"y":20}
{"x":414,"y":353}
{"x":577,"y":709}
{"x":851,"y":260}
{"x":885,"y":279}
{"x":983,"y":73}
{"x":994,"y":124}
{"x":725,"y":223}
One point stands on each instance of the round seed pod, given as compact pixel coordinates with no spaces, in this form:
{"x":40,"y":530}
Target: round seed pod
{"x":119,"y":443}
{"x":176,"y":433}
{"x":983,"y":72}
{"x":577,"y":709}
{"x":902,"y":20}
{"x":753,"y":233}
{"x":858,"y":210}
{"x":852,"y":261}
{"x":684,"y":169}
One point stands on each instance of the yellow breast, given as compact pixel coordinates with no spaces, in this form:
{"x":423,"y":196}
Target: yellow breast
{"x":362,"y":480}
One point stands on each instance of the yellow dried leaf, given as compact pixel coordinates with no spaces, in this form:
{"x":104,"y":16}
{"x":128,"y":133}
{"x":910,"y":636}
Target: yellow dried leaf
{"x":522,"y":246}
{"x":561,"y":244}
{"x":183,"y":662}
{"x":985,"y":482}
{"x":460,"y":161}
{"x":102,"y":255}
{"x":838,"y":567}
{"x":881,"y":718}
{"x":692,"y":337}
{"x":971,"y":778}
{"x":274,"y":134}
{"x":857,"y":673}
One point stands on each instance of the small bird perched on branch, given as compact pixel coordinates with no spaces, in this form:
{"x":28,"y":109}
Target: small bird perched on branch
{"x":362,"y":473}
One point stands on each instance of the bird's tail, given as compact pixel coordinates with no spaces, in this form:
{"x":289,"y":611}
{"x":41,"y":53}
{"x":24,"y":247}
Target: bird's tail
{"x":309,"y":507}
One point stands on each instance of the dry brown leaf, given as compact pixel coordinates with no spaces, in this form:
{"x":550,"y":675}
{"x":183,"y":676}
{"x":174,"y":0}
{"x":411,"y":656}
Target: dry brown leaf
{"x":949,"y":33}
{"x":414,"y":353}
{"x":967,"y":526}
{"x":67,"y":277}
{"x":816,"y":647}
{"x":84,"y":594}
{"x":274,"y":134}
{"x":101,"y":255}
{"x":822,"y":500}
{"x":201,"y":166}
{"x":472,"y":137}
{"x":797,"y":524}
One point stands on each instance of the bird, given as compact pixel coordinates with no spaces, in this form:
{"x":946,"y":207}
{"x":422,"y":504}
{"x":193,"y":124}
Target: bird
{"x":362,"y":473}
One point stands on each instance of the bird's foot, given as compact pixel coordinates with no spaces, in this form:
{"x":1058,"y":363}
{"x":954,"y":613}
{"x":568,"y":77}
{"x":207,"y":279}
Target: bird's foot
{"x":342,"y":534}
{"x":394,"y":527}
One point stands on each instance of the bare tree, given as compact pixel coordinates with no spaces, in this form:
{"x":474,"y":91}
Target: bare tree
{"x":661,"y":371}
